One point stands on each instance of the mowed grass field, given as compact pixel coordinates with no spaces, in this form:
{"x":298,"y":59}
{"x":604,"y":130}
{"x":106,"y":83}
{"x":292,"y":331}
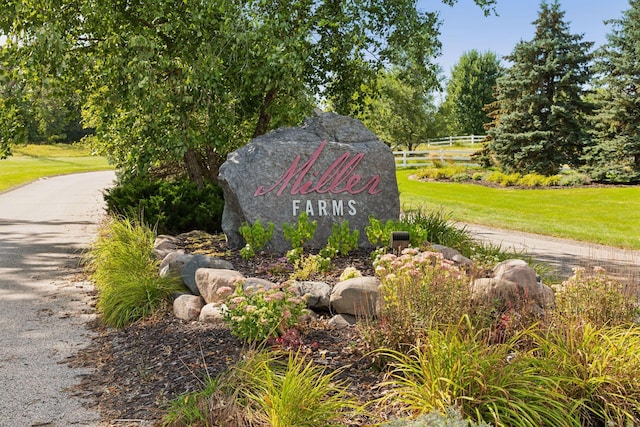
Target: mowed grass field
{"x":30,"y":162}
{"x":605,"y":215}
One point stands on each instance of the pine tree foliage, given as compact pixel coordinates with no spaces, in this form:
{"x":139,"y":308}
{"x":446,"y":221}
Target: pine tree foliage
{"x":470,"y":88}
{"x":541,"y":109}
{"x":615,"y":154}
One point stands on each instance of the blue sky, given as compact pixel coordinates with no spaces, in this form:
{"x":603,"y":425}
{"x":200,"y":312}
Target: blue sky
{"x":465,"y":27}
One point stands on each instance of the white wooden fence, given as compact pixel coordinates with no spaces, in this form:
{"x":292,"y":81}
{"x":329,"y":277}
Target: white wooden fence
{"x":465,"y":147}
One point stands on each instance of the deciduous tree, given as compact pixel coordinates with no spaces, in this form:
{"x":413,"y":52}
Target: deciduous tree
{"x":470,"y":88}
{"x":189,"y":81}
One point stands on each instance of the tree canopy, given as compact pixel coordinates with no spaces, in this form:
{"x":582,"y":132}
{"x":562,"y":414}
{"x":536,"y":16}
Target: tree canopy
{"x":190,"y":81}
{"x":540,"y":117}
{"x":470,"y":88}
{"x":615,"y":153}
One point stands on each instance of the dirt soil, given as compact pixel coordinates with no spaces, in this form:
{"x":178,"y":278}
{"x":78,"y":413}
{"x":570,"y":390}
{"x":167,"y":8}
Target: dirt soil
{"x":140,"y":369}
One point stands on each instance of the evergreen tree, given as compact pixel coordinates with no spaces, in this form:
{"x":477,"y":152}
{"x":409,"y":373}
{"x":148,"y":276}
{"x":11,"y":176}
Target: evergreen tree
{"x":615,"y":154}
{"x":540,"y":122}
{"x":470,"y":88}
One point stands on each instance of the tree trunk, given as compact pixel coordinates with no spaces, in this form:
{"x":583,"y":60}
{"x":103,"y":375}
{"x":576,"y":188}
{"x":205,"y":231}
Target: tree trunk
{"x":265,"y":118}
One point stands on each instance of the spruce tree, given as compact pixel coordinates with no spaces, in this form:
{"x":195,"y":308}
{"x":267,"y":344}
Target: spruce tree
{"x":539,"y":124}
{"x":615,"y":154}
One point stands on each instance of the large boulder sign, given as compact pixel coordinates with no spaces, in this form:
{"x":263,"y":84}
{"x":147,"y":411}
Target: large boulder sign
{"x":332,"y":168}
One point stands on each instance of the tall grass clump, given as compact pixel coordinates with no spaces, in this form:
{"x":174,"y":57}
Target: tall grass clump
{"x":597,"y":367}
{"x":125,"y":272}
{"x":267,"y":389}
{"x":456,"y":367}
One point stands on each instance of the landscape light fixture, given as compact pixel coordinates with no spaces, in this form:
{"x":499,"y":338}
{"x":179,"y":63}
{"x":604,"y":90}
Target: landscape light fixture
{"x":399,"y":240}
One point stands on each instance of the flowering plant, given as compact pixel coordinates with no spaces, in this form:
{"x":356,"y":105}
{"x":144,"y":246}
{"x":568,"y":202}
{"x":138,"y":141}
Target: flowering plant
{"x":256,"y":315}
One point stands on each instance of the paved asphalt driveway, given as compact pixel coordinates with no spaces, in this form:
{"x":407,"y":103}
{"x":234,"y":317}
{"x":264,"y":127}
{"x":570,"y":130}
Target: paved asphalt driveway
{"x":43,"y":309}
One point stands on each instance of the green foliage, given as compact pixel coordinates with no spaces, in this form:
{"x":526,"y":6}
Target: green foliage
{"x":298,"y":234}
{"x":436,"y":225}
{"x":379,"y":234}
{"x":173,"y":206}
{"x":596,"y":367}
{"x":596,"y":298}
{"x":441,"y":172}
{"x":469,"y":89}
{"x":264,"y":388}
{"x":299,"y":393}
{"x":400,"y":112}
{"x":614,"y":155}
{"x":540,"y":112}
{"x":125,"y":272}
{"x":256,"y":237}
{"x":503,"y":179}
{"x":420,"y":291}
{"x":256,"y":315}
{"x":454,"y":367}
{"x":304,"y":267}
{"x":189,"y":82}
{"x":342,"y":239}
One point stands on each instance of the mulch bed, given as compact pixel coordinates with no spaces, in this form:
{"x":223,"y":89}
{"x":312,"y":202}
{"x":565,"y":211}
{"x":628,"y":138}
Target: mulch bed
{"x":138,"y":370}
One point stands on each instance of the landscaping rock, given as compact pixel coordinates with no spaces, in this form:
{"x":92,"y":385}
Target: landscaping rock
{"x":188,"y":273}
{"x":210,"y":280}
{"x":173,"y":263}
{"x":252,"y":284}
{"x":357,"y":296}
{"x":212,"y":313}
{"x":187,"y":307}
{"x":455,"y":256}
{"x":332,"y":167}
{"x":164,"y":244}
{"x":341,"y":321}
{"x":317,"y":294}
{"x":516,"y":286}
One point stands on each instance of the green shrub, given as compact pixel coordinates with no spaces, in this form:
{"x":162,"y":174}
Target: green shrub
{"x":532,"y":180}
{"x":436,"y":226}
{"x":125,"y":272}
{"x":255,"y":316}
{"x":342,"y":240}
{"x":443,"y":172}
{"x":171,"y":206}
{"x":596,"y":298}
{"x":420,"y":290}
{"x":552,"y":181}
{"x":502,"y":179}
{"x":379,"y":234}
{"x":574,"y":179}
{"x":596,"y":367}
{"x":256,"y":237}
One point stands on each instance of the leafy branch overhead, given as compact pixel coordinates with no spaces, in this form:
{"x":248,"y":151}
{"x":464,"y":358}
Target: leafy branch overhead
{"x":189,"y":82}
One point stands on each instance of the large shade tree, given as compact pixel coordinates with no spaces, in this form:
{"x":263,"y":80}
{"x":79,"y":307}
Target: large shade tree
{"x":189,"y":81}
{"x":540,"y":120}
{"x":615,"y":154}
{"x":399,"y":113}
{"x":470,"y":88}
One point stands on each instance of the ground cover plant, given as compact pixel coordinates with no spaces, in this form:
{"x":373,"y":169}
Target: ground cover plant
{"x":30,"y":162}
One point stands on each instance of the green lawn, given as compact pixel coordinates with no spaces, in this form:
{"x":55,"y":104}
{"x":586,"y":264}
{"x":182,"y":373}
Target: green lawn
{"x":31,"y":162}
{"x":609,"y":216}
